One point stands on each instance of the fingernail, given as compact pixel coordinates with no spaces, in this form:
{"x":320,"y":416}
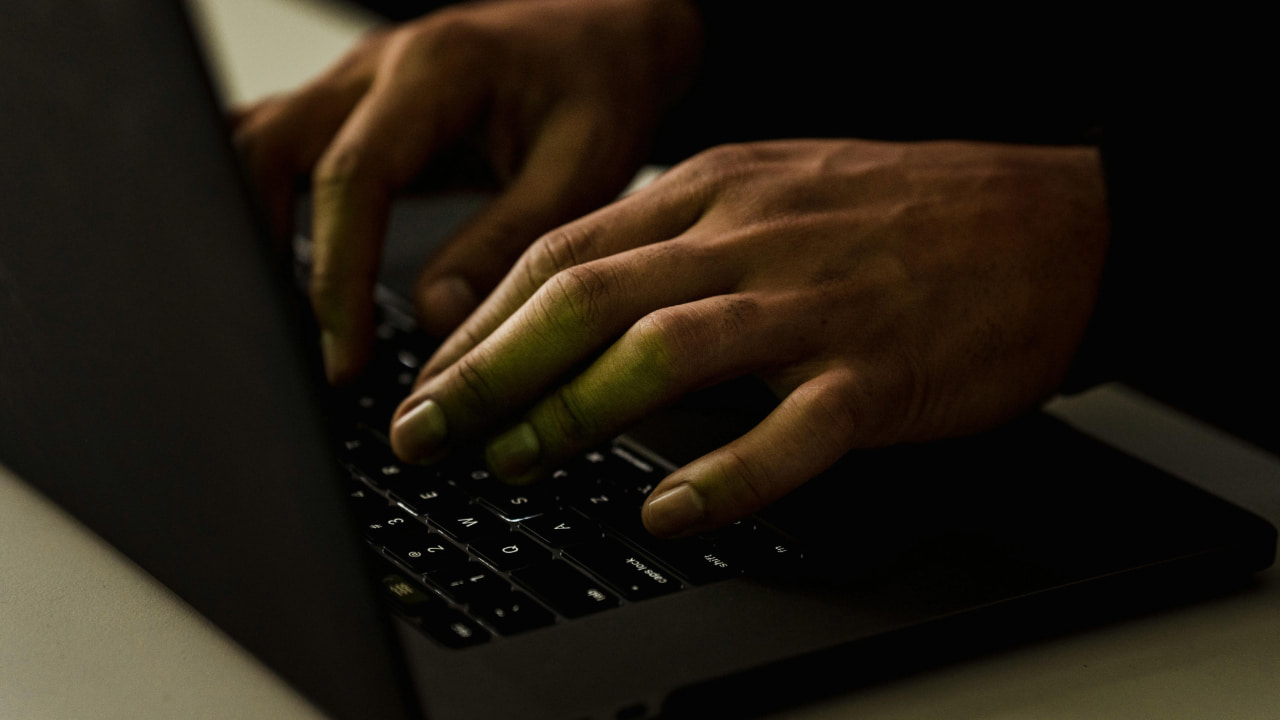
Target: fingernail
{"x":422,"y":430}
{"x":446,"y":303}
{"x":676,"y":511}
{"x":512,"y":453}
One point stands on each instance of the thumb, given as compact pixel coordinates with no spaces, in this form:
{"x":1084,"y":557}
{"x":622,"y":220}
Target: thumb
{"x":811,"y":429}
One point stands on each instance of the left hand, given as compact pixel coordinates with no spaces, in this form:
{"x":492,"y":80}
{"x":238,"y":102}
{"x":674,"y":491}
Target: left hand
{"x":886,"y":292}
{"x":560,"y":98}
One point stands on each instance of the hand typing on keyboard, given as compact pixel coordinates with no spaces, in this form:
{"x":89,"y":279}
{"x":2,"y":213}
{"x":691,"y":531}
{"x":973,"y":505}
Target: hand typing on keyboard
{"x":886,"y":292}
{"x":559,"y":99}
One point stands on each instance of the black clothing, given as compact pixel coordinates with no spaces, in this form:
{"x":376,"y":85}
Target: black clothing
{"x":1187,"y":311}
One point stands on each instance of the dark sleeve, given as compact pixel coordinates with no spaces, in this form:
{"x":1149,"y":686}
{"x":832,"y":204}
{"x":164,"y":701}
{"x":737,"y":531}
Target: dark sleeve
{"x":805,"y":68}
{"x":819,"y":69}
{"x":400,"y":10}
{"x":1187,"y":312}
{"x":1188,"y":306}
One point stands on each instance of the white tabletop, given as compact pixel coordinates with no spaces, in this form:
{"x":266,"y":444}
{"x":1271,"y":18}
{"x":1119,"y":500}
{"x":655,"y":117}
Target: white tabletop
{"x":84,"y":633}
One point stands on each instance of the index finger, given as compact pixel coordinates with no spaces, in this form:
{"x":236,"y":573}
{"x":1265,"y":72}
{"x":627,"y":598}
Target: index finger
{"x":412,"y":109}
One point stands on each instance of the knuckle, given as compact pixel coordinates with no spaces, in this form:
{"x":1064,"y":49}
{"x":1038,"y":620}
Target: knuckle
{"x":712,"y":173}
{"x":727,"y":155}
{"x":325,"y":291}
{"x":469,"y":335}
{"x":258,"y":137}
{"x":447,"y":37}
{"x":579,"y":296}
{"x":571,"y":422}
{"x":731,"y":317}
{"x":527,"y":278}
{"x":916,"y":398}
{"x":746,"y":478}
{"x":356,"y":60}
{"x":868,"y":406}
{"x":559,"y":250}
{"x":722,"y":163}
{"x":834,"y":412}
{"x":669,"y":342}
{"x":341,"y":168}
{"x":370,"y":42}
{"x":475,"y":392}
{"x":683,"y":339}
{"x":504,"y":236}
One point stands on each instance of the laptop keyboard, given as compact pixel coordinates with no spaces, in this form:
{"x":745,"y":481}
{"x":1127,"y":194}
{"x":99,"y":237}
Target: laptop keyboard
{"x":469,"y":560}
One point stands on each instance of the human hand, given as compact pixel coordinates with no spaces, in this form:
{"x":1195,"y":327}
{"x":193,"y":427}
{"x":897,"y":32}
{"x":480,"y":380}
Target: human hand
{"x":560,"y":96}
{"x":885,"y":292}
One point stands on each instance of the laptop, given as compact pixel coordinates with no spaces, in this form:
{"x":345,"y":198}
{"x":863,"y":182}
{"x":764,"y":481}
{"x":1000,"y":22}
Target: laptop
{"x":158,"y":380}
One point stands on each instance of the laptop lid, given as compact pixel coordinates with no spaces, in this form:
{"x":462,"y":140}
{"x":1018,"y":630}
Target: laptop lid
{"x":152,"y":377}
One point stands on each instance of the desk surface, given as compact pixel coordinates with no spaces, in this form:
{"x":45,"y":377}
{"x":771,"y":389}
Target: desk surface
{"x":84,"y":633}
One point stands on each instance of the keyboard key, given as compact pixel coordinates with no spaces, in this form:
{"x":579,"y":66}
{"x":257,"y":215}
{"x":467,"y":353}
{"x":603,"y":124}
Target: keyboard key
{"x":466,"y":470}
{"x":632,"y":474}
{"x":427,"y":497}
{"x":366,"y":505}
{"x":467,"y":522}
{"x":379,"y":528}
{"x":371,"y":408}
{"x":406,"y":596}
{"x":452,"y":628}
{"x":421,"y":550}
{"x":509,"y":551}
{"x":385,"y":383}
{"x":512,"y":613}
{"x":589,"y":463}
{"x":469,"y":582}
{"x":373,"y":460}
{"x":398,"y":341}
{"x":513,"y":503}
{"x":360,"y":449}
{"x":393,"y":370}
{"x":567,"y":591}
{"x":399,"y":477}
{"x":580,"y":475}
{"x":562,"y":528}
{"x":630,"y":572}
{"x":597,"y":501}
{"x":701,"y":563}
{"x":760,"y":550}
{"x":624,"y":519}
{"x":696,"y":559}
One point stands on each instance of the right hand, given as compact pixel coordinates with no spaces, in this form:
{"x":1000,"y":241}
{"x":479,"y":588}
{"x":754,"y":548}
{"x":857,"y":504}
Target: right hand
{"x":886,"y":292}
{"x":562,"y":98}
